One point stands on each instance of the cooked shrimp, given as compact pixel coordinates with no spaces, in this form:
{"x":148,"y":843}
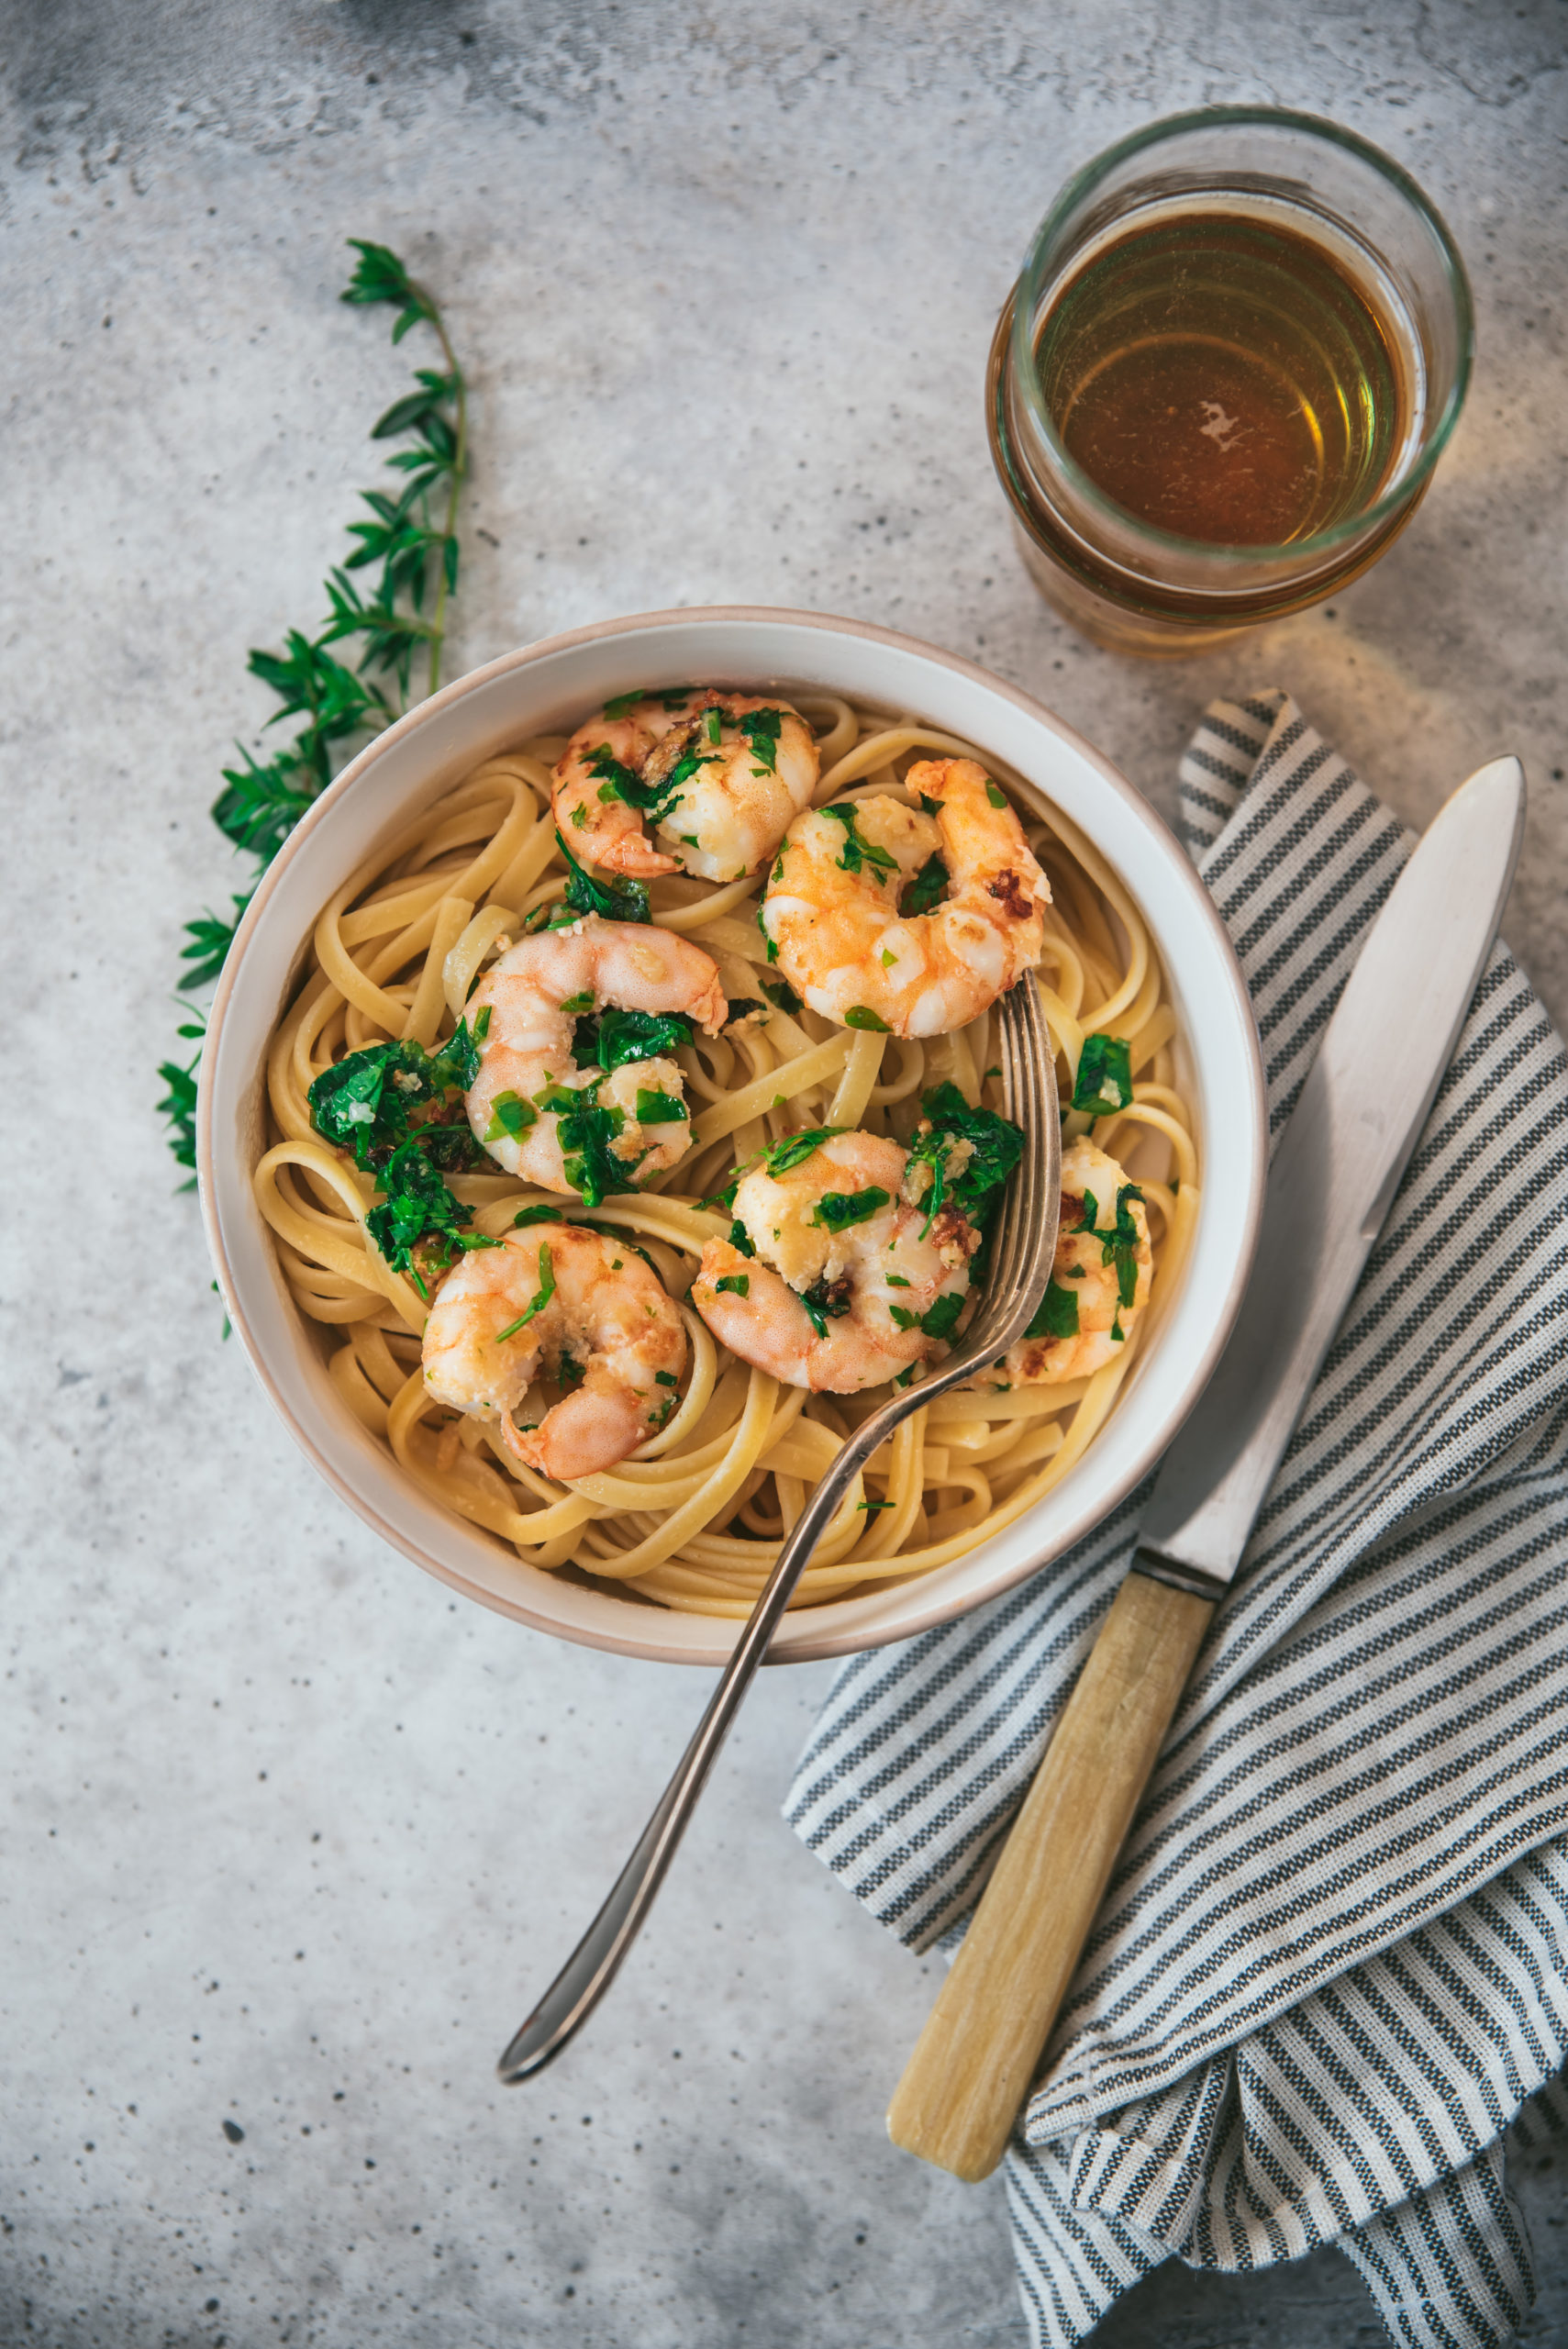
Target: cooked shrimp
{"x":838,"y":1270}
{"x":524,"y":1014}
{"x":716,"y":776}
{"x":1101,"y":1278}
{"x":832,"y":905}
{"x":579,"y":1307}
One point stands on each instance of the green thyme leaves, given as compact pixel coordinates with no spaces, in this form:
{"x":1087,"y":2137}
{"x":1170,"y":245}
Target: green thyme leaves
{"x":408,"y":536}
{"x":210,"y":940}
{"x":380,"y":276}
{"x":1104,"y":1082}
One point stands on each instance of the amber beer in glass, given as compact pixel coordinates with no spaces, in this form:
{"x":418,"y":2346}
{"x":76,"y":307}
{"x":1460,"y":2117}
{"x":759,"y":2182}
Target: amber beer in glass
{"x":1219,"y":389}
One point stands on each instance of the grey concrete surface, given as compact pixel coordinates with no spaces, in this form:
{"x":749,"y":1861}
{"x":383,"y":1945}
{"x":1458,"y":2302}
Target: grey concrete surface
{"x":293,"y":1835}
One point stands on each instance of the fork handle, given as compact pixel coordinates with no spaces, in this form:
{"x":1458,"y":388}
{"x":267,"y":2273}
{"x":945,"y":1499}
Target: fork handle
{"x":593,"y":1963}
{"x":973,"y":2063}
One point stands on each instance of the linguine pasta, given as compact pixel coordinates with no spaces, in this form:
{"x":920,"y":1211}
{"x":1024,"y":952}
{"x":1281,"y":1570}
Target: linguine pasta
{"x":693,"y":1519}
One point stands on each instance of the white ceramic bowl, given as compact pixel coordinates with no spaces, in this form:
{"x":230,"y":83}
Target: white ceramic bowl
{"x":546,"y":689}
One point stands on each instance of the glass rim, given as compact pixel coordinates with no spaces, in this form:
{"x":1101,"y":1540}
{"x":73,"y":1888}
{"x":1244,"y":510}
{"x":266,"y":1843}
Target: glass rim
{"x":1075,"y":191}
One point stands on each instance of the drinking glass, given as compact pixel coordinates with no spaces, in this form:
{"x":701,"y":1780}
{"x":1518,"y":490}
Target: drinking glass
{"x":1285,"y":182}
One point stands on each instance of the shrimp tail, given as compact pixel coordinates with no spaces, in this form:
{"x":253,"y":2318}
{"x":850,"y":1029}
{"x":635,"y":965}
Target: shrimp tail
{"x":631,"y":852}
{"x":583,"y":1434}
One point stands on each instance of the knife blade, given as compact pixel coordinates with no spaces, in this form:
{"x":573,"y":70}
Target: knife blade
{"x":1348,"y":1140}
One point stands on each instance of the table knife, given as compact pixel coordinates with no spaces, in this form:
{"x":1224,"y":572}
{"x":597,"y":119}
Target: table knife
{"x":1334,"y":1176}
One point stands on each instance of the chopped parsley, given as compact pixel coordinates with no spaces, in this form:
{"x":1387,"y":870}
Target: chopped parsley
{"x":510,"y":1115}
{"x":896,"y":1280}
{"x":742,"y":1007}
{"x":539,"y":1299}
{"x":665,"y":1378}
{"x":613,"y":901}
{"x":737,"y":1283}
{"x":826,"y":1301}
{"x":762,"y":728}
{"x":1118,"y":1246}
{"x":928,"y":887}
{"x":996,"y":1147}
{"x":858,"y":852}
{"x":362,"y":1103}
{"x":537,"y":1213}
{"x":586,"y":1133}
{"x":998,"y":798}
{"x":620,"y":1036}
{"x":793,"y":1149}
{"x":583,"y":1002}
{"x":932,"y":806}
{"x":1104,"y":1082}
{"x":741,"y":1238}
{"x":943,"y":1319}
{"x":660,"y":1109}
{"x":836,"y":1210}
{"x":778,"y":1157}
{"x":1058,"y":1314}
{"x":416,"y":1207}
{"x":860,"y":1015}
{"x":714,"y":721}
{"x":614,"y":780}
{"x":781,"y":995}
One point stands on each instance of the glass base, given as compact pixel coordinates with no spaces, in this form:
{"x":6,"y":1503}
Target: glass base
{"x":1119,"y":631}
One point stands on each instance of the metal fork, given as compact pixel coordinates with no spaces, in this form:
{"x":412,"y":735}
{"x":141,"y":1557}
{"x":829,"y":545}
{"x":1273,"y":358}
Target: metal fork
{"x":1021,"y":1254}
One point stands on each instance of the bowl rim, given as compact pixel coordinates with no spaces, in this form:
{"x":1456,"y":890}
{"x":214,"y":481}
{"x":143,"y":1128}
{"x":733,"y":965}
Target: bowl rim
{"x":800,"y":1645}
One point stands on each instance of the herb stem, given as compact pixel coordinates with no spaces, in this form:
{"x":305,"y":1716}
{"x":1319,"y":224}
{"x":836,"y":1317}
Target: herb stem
{"x":460,"y":467}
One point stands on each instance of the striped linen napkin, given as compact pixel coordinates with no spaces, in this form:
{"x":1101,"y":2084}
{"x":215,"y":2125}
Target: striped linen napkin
{"x":1332,"y":1967}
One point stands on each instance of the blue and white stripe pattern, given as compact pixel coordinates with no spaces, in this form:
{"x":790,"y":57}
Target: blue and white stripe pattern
{"x":1332,"y":1965}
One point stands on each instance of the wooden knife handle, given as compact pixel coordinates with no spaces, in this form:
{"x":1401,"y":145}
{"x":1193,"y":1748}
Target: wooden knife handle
{"x":977,"y":2058}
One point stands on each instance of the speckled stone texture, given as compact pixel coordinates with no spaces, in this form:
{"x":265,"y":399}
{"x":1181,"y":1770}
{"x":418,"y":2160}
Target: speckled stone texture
{"x":296,"y":1836}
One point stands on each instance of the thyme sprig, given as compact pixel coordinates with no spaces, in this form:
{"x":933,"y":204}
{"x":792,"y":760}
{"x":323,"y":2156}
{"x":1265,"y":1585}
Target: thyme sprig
{"x":412,"y":536}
